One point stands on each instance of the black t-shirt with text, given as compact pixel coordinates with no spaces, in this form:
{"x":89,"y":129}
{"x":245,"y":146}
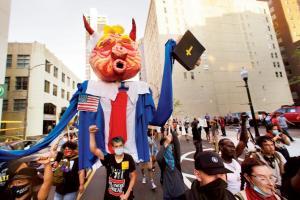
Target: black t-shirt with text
{"x":118,"y":176}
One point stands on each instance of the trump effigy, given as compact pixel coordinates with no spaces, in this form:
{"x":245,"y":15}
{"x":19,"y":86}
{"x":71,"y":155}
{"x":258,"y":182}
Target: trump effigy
{"x":115,"y":103}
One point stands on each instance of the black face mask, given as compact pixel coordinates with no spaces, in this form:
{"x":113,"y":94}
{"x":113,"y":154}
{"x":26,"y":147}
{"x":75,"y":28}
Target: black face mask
{"x":21,"y":190}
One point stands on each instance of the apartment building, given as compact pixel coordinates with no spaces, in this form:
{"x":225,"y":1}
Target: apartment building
{"x":236,"y":34}
{"x":39,"y":87}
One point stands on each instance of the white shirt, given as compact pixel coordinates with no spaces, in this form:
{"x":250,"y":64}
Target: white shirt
{"x":233,"y":179}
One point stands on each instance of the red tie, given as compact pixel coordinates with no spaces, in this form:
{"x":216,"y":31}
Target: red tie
{"x":117,"y":124}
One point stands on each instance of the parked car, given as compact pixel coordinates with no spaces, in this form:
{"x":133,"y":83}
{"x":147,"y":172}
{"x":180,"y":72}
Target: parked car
{"x":291,"y":113}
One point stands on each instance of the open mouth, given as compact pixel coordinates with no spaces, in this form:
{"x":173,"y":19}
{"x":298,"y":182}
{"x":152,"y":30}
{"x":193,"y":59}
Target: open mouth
{"x":120,"y":65}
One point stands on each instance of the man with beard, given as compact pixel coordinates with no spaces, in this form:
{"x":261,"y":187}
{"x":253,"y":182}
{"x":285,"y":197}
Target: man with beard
{"x":228,"y":153}
{"x":210,"y":180}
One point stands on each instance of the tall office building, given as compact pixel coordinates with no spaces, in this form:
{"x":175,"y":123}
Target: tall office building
{"x":286,"y":19}
{"x":236,"y":34}
{"x":96,"y":22}
{"x":4,"y":21}
{"x":39,"y":88}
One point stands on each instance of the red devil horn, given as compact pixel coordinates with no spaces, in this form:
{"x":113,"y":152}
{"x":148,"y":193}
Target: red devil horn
{"x":87,"y":26}
{"x":132,"y":34}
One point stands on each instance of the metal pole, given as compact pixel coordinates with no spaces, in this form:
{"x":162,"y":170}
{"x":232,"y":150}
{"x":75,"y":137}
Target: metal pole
{"x":251,"y":108}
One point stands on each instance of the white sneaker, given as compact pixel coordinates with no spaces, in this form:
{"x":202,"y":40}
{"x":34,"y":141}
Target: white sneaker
{"x":144,"y":180}
{"x":153,"y":185}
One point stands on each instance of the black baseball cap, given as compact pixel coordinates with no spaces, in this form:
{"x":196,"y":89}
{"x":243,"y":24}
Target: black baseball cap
{"x":210,"y":163}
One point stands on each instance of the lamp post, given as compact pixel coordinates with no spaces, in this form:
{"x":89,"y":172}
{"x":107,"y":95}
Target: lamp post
{"x":27,"y":97}
{"x":244,"y":75}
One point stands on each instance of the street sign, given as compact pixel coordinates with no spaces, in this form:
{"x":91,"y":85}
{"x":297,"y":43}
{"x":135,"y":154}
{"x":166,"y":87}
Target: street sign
{"x":3,"y":91}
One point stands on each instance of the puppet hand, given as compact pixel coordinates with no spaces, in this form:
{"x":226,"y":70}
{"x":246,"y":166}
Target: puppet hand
{"x":93,"y":129}
{"x":198,"y":63}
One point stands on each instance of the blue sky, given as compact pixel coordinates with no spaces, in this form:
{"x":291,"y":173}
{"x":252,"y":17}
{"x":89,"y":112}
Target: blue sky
{"x":58,"y":24}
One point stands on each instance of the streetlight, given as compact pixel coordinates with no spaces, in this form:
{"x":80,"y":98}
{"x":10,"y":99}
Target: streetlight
{"x":27,"y":96}
{"x":244,"y":75}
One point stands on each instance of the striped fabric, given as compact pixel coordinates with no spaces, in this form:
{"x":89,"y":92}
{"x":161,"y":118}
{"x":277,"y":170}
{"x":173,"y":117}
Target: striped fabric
{"x":87,"y":103}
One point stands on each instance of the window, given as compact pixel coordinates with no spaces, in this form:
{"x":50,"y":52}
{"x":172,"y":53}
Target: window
{"x":280,"y":74}
{"x":62,"y":93}
{"x":276,"y":73}
{"x":47,"y":66}
{"x":8,"y":60}
{"x":272,"y":55}
{"x":269,"y":28}
{"x":63,"y":77}
{"x":68,"y":81}
{"x":7,"y":82}
{"x":276,"y":56}
{"x":21,"y":83}
{"x":23,"y":61}
{"x":165,"y":10}
{"x":274,"y":64}
{"x":47,"y":86}
{"x":54,"y":90}
{"x":273,"y":46}
{"x":184,"y":75}
{"x":271,"y":37}
{"x":192,"y":76}
{"x":55,"y":72}
{"x":73,"y":84}
{"x":278,"y":64}
{"x":5,"y":105}
{"x":68,"y":96}
{"x":19,"y":104}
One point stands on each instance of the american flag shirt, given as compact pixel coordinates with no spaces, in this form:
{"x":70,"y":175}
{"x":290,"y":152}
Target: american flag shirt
{"x":88,"y":103}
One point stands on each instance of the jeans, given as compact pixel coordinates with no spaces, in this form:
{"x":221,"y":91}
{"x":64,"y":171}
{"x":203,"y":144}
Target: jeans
{"x":68,"y":196}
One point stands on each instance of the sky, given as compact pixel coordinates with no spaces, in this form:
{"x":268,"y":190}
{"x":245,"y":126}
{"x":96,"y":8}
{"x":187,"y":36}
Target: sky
{"x":58,"y":24}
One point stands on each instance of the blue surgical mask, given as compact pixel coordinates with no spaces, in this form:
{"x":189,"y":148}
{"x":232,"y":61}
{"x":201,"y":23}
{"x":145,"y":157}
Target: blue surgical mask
{"x":119,"y":151}
{"x":276,"y":132}
{"x":259,"y":191}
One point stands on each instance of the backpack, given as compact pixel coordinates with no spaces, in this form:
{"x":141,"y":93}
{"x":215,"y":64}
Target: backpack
{"x":58,"y":173}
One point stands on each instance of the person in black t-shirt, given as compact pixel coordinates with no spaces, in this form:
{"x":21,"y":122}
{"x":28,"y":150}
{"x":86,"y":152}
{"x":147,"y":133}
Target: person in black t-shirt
{"x":72,"y":177}
{"x":120,"y":167}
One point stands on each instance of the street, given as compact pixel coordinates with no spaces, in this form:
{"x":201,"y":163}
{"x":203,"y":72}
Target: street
{"x":96,"y":186}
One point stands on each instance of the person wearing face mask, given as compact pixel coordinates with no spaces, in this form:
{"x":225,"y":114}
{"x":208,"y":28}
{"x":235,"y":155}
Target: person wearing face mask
{"x":68,"y":179}
{"x":275,"y":160}
{"x":120,"y":168}
{"x":210,"y":180}
{"x":24,"y":182}
{"x":260,"y":181}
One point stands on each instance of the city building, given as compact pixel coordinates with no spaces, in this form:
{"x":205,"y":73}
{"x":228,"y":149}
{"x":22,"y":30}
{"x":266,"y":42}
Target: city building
{"x":142,"y":73}
{"x":286,"y":19}
{"x":96,"y":22}
{"x":39,"y":88}
{"x":236,"y":34}
{"x":4,"y":21}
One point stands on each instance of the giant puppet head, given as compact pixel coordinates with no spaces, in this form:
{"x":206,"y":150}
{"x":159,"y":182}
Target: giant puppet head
{"x":115,"y":57}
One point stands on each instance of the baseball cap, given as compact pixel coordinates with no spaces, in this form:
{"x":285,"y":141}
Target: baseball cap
{"x":210,"y":163}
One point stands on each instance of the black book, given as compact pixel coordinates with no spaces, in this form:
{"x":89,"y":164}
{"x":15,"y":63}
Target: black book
{"x":188,"y":51}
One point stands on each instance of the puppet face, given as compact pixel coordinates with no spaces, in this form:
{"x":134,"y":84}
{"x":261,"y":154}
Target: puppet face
{"x":115,"y":58}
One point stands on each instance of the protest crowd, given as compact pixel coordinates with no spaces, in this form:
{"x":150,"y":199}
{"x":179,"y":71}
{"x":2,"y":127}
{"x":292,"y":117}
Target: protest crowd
{"x":113,"y":127}
{"x":266,"y":173}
